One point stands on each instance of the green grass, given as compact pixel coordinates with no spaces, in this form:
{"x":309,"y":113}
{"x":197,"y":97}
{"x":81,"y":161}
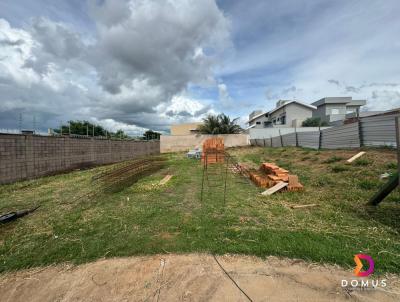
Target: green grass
{"x":146,"y":218}
{"x":339,"y":168}
{"x":362,"y":162}
{"x":333,"y":159}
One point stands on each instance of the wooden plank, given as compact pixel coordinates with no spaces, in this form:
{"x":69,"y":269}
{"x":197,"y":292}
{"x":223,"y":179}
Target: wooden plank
{"x":276,"y":188}
{"x":350,"y":160}
{"x":165,"y":179}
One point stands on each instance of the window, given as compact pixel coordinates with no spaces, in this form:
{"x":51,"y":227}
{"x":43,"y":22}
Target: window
{"x":258,"y":123}
{"x":283,"y":119}
{"x":334,"y":111}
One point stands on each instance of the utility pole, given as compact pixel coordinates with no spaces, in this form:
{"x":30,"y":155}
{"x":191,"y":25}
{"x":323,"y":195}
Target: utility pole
{"x":87,"y":129}
{"x":34,"y":123}
{"x":20,"y":122}
{"x":93,"y":130}
{"x":69,"y":128}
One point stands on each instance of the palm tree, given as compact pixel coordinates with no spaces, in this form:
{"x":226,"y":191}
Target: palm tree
{"x":219,"y":124}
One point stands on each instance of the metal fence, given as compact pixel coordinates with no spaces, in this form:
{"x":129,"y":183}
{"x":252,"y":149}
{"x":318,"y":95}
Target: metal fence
{"x":369,"y":131}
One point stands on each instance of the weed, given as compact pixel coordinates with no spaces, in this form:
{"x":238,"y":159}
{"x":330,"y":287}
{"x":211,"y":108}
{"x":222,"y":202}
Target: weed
{"x":333,"y":159}
{"x":340,"y":168}
{"x":362,"y":162}
{"x":391,"y":165}
{"x":367,"y":184}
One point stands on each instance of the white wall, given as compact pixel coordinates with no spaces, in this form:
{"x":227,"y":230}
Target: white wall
{"x":176,"y":143}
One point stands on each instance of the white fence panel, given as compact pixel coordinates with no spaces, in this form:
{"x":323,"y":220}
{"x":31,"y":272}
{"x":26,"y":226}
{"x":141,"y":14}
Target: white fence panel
{"x":308,"y":139}
{"x":346,"y":136}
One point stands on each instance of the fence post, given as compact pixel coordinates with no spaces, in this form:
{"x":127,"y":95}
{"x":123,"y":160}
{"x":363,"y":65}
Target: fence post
{"x":360,"y":132}
{"x":270,"y":137}
{"x":297,"y":140}
{"x":319,"y":138}
{"x":264,"y":141}
{"x":397,"y":123}
{"x":281,"y":137}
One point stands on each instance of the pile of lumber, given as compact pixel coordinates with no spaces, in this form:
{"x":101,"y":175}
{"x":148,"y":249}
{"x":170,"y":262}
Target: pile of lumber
{"x":213,"y":150}
{"x":270,"y":175}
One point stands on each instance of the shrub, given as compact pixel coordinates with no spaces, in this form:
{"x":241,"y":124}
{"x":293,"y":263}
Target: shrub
{"x":314,"y":122}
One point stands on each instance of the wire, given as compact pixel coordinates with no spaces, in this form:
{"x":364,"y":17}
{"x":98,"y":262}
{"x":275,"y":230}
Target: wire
{"x":229,"y":276}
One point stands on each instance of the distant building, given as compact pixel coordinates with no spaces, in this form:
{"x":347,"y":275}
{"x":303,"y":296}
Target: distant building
{"x":334,"y":109}
{"x":285,"y":114}
{"x":185,"y":129}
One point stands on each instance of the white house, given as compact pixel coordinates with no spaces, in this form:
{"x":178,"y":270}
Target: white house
{"x":285,"y":114}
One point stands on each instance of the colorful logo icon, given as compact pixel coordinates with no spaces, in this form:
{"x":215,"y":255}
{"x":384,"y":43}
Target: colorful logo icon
{"x":359,"y":265}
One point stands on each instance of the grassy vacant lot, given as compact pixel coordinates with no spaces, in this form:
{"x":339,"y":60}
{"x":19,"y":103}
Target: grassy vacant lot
{"x":146,"y":218}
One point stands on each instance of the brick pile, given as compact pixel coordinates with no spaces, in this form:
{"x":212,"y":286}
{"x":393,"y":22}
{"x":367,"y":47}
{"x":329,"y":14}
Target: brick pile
{"x":213,"y":150}
{"x":270,"y":174}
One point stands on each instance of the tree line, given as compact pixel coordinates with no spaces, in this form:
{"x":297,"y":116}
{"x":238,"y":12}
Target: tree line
{"x":87,"y":128}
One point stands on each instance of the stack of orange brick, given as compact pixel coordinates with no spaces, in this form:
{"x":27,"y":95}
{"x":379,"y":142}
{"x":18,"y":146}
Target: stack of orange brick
{"x":270,"y":174}
{"x":213,"y":150}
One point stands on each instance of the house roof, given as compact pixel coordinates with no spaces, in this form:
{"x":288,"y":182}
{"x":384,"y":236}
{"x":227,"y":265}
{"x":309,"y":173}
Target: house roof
{"x":252,"y":126}
{"x":256,"y":116}
{"x":339,"y":100}
{"x":291,"y":102}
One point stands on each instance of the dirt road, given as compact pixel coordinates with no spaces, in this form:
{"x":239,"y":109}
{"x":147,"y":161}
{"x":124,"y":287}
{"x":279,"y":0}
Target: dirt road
{"x":194,"y":277}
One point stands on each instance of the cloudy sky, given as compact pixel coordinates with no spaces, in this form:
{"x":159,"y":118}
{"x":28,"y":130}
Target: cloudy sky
{"x":145,"y":64}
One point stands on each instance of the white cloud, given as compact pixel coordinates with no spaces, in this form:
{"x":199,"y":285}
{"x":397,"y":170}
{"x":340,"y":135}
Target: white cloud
{"x":135,"y":71}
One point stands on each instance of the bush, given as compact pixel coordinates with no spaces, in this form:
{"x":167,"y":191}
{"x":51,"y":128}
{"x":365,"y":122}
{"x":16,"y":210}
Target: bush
{"x":314,"y":122}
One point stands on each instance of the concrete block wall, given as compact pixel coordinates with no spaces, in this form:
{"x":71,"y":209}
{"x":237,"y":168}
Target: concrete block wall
{"x":31,"y":156}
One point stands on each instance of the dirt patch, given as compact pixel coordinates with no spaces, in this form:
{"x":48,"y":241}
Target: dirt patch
{"x":194,"y":277}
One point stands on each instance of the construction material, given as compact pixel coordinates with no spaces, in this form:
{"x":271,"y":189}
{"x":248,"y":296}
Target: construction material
{"x":196,"y":153}
{"x":15,"y":215}
{"x":213,"y":150}
{"x":165,"y":179}
{"x":279,"y":186}
{"x":358,"y":155}
{"x":304,"y":206}
{"x":269,"y":175}
{"x":294,"y":184}
{"x":385,"y":190}
{"x":119,"y":177}
{"x":215,"y":171}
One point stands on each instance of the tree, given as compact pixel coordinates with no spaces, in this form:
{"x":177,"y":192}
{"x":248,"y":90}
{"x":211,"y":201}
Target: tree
{"x":150,"y":134}
{"x":314,"y":122}
{"x":120,"y":134}
{"x":219,"y":124}
{"x":87,"y":128}
{"x":82,"y":128}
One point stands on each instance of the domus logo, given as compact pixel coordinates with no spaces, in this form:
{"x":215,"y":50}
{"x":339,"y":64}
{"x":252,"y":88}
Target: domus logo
{"x":361,"y":271}
{"x":359,"y":265}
